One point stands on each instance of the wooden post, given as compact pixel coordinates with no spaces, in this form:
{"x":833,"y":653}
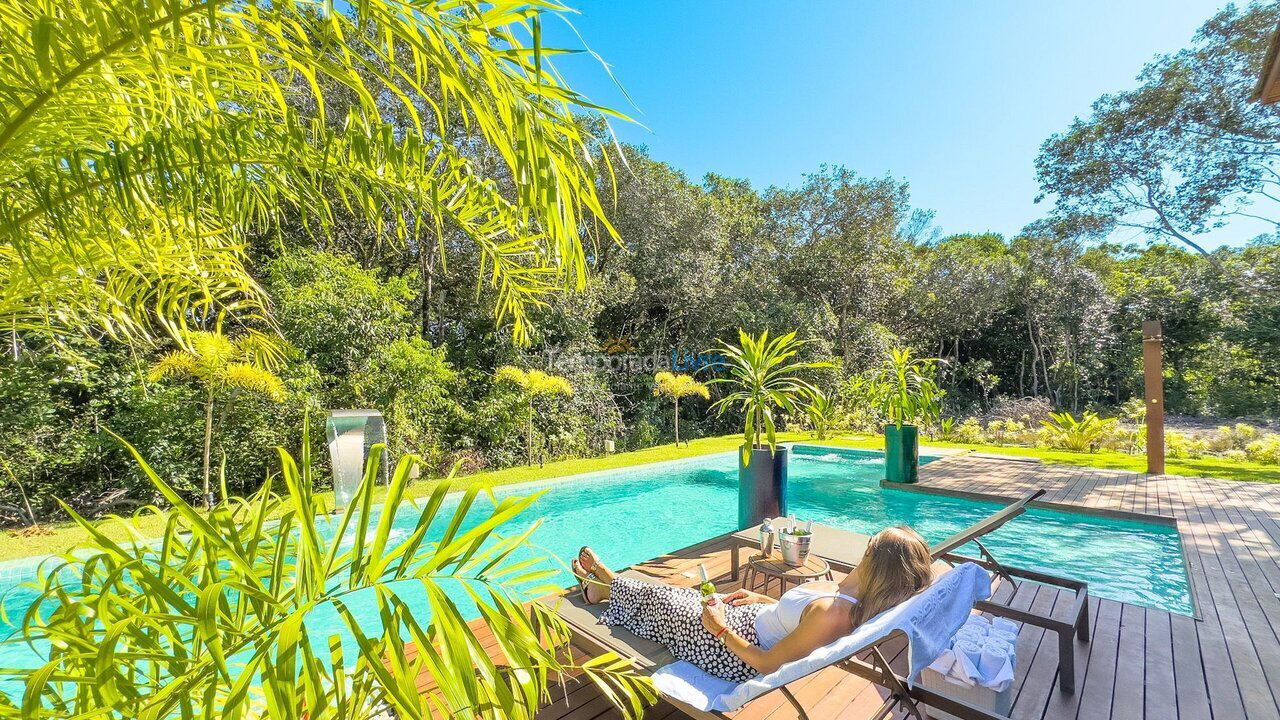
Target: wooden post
{"x":1153,"y":380}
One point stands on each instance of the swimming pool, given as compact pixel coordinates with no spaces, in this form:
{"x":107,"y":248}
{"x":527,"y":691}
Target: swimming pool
{"x":642,"y":512}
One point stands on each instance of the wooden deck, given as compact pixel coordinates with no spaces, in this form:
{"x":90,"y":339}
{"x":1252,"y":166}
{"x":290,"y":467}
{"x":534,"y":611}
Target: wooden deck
{"x":1141,"y":663}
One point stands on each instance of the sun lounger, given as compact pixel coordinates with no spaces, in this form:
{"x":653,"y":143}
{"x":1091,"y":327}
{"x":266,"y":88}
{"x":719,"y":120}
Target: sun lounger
{"x":843,"y":550}
{"x":925,"y":621}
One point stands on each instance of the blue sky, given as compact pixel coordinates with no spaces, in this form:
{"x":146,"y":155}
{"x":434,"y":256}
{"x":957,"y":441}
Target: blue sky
{"x":954,"y":97}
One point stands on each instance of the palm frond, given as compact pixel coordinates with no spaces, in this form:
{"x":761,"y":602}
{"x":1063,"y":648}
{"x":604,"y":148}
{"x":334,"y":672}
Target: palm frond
{"x":174,"y":364}
{"x":679,"y":386}
{"x":249,"y":377}
{"x":533,"y":383}
{"x":267,"y":608}
{"x":541,"y":383}
{"x":141,"y":141}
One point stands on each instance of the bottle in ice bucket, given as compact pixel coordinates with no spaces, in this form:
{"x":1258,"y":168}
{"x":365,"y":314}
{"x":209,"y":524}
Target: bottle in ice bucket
{"x":707,"y":588}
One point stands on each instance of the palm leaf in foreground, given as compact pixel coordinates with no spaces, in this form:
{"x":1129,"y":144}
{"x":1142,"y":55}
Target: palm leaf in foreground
{"x":267,"y":608}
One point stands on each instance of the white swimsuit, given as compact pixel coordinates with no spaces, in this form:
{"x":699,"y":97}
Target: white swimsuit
{"x":783,"y":617}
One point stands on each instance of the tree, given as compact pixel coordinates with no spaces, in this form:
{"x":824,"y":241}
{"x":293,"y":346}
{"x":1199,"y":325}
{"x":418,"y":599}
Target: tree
{"x":416,"y":389}
{"x":961,"y":289}
{"x":335,"y":312}
{"x":840,"y":220}
{"x":141,"y":142}
{"x":532,"y":384}
{"x":1182,"y":153}
{"x":676,"y":387}
{"x":221,"y":366}
{"x":269,"y":607}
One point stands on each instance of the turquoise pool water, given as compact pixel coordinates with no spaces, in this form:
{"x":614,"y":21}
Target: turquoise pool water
{"x":632,"y":515}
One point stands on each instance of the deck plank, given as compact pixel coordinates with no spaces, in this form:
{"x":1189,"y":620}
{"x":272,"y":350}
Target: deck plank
{"x":1159,"y":679}
{"x":1041,"y":667}
{"x":1128,"y":695}
{"x":1064,"y":706}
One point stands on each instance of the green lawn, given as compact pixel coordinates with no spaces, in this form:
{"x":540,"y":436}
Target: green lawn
{"x":66,"y":535}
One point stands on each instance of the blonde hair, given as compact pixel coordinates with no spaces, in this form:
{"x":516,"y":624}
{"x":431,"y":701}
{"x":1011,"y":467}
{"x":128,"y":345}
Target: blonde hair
{"x":895,"y":566}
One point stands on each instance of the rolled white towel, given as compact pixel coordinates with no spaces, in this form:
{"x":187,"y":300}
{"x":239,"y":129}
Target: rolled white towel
{"x":1006,"y":625}
{"x":979,"y":622}
{"x":968,"y":656}
{"x":1004,"y":634}
{"x":995,"y":655}
{"x":971,"y":633}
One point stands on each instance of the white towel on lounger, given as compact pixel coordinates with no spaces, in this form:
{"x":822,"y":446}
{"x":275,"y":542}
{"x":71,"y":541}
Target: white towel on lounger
{"x":929,"y":621}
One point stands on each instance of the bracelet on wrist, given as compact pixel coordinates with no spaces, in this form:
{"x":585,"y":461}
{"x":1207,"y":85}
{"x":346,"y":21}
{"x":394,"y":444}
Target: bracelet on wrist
{"x":723,"y":630}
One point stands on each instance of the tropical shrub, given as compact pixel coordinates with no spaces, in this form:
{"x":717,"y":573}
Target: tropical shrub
{"x":1182,"y":445}
{"x":41,"y":435}
{"x":1004,"y":432}
{"x":416,"y":389}
{"x":1228,"y":437}
{"x":969,"y":431}
{"x":676,"y":387}
{"x":858,"y":402}
{"x":947,"y":429}
{"x":763,"y":379}
{"x":1125,"y":439}
{"x":643,"y":433}
{"x":1265,"y":450}
{"x":1236,"y":456}
{"x":499,"y":421}
{"x":1134,"y":410}
{"x":236,"y":612}
{"x":1084,"y":435}
{"x":907,"y":392}
{"x":646,"y":427}
{"x":821,"y":412}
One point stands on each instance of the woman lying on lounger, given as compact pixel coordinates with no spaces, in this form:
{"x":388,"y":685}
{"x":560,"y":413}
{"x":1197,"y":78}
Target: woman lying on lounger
{"x":746,"y":633}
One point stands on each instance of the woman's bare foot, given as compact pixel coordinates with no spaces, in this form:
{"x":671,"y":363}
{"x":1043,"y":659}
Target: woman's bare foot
{"x":593,"y":591}
{"x":598,"y":577}
{"x":590,"y":562}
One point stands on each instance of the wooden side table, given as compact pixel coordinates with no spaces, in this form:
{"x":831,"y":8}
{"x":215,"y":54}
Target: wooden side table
{"x":772,"y":568}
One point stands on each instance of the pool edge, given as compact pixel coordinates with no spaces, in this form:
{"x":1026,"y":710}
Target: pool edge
{"x":1162,"y":520}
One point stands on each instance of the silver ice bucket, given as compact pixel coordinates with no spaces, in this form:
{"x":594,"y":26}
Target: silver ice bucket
{"x":795,"y":548}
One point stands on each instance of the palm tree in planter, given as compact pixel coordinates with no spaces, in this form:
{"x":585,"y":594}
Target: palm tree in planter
{"x":676,"y":387}
{"x":763,"y":377}
{"x":222,"y":367}
{"x":908,"y":395}
{"x":532,"y":384}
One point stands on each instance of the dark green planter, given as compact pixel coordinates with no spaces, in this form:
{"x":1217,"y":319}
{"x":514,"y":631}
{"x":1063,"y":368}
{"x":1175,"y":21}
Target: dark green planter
{"x":762,"y":486}
{"x":901,"y":453}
